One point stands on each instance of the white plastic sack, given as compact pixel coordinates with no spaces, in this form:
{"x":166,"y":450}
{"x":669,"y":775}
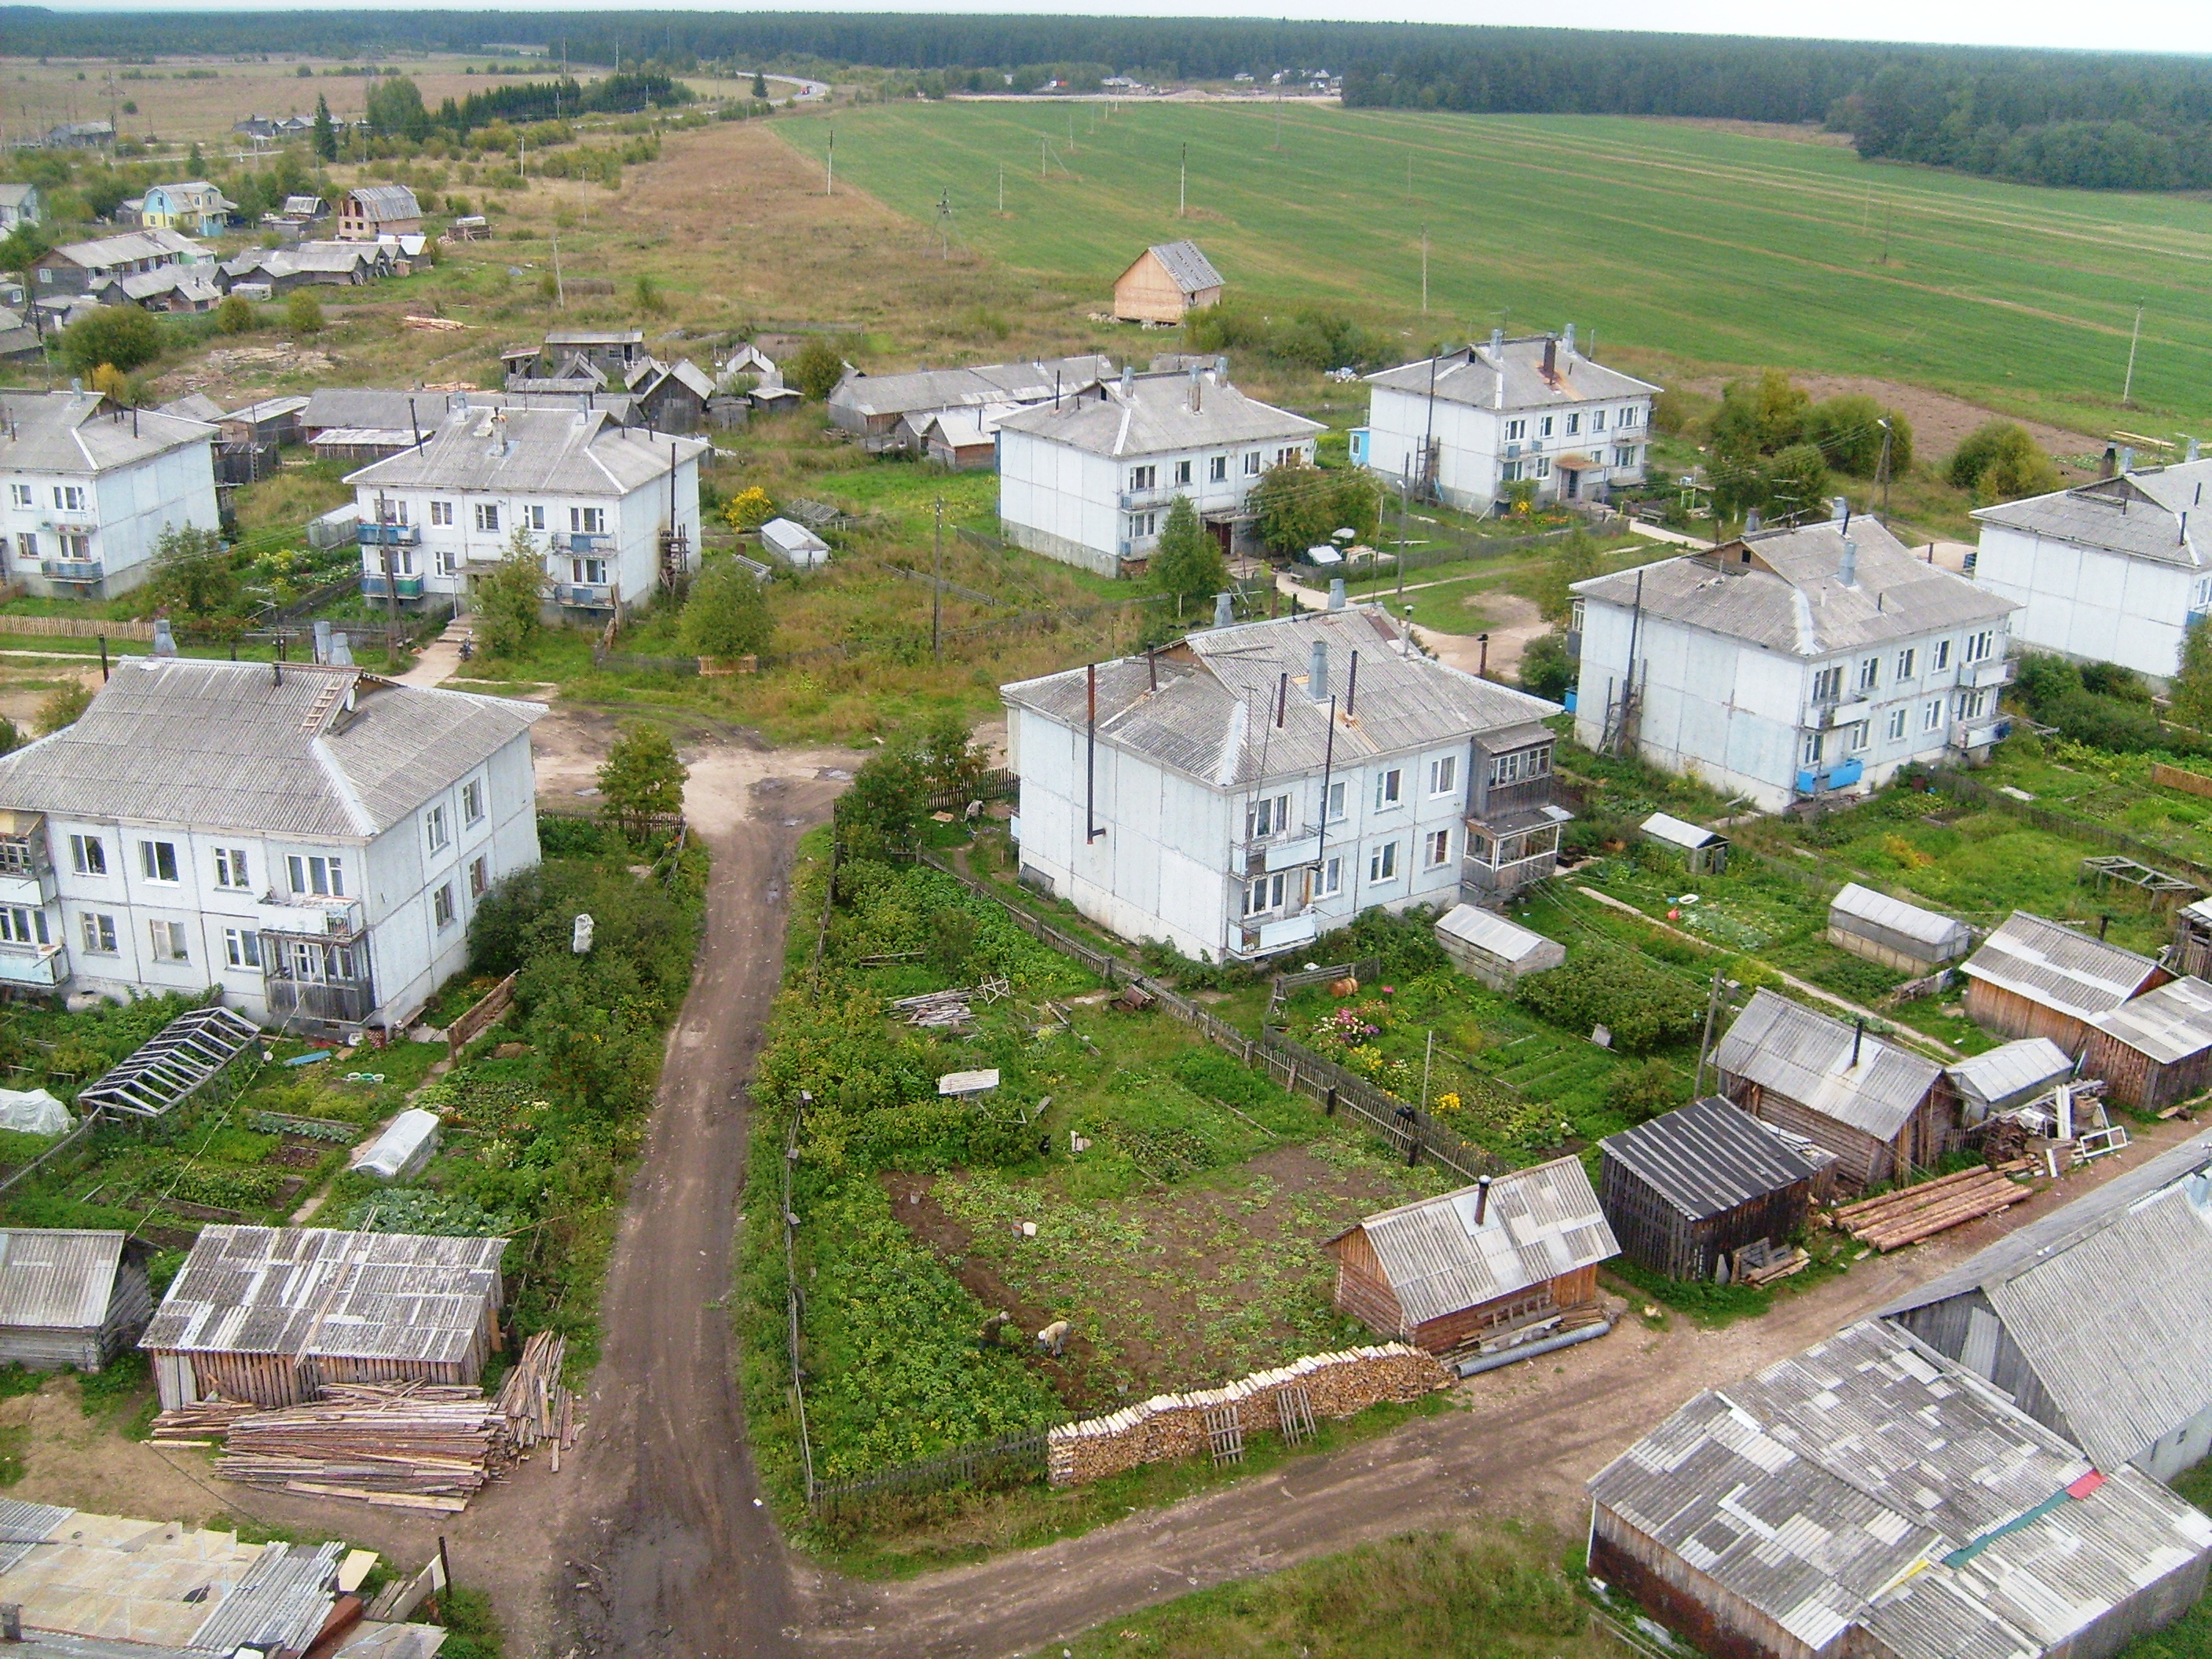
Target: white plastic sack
{"x":33,"y":1112}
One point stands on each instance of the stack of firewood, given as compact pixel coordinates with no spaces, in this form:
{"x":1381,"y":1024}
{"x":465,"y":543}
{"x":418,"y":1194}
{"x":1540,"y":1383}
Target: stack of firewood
{"x":533,"y":1403}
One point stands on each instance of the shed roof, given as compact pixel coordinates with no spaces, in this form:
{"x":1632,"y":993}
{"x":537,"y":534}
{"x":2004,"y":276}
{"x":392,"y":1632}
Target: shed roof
{"x":1869,"y":1483}
{"x":2011,"y":1069}
{"x":1678,"y":832}
{"x":2165,"y":1025}
{"x":1189,"y":270}
{"x":300,"y":1292}
{"x":2058,"y":968}
{"x":1473,"y":376}
{"x":789,"y":537}
{"x":382,"y":201}
{"x":83,"y":433}
{"x":1034,"y":382}
{"x":2141,"y":515}
{"x":1930,"y":927}
{"x":1154,"y":416}
{"x":1491,"y":933}
{"x":1807,"y":1056}
{"x":106,"y":252}
{"x":1537,"y":1224}
{"x":58,"y":1278}
{"x":1708,"y":1157}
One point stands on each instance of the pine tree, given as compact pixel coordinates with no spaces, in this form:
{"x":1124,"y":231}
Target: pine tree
{"x":326,"y":132}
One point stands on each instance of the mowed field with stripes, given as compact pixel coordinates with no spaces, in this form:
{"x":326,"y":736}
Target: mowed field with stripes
{"x":1719,"y":249}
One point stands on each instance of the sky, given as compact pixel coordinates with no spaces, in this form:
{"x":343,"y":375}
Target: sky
{"x":2183,"y":26}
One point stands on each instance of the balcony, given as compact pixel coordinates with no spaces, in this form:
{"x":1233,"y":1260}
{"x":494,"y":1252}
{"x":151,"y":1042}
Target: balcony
{"x":334,"y":920}
{"x":1279,"y":935}
{"x":407,"y":587}
{"x":1966,"y":736}
{"x":1842,"y":775}
{"x":584,"y":596}
{"x":70,"y":570}
{"x":585,"y":541}
{"x":326,"y":1002}
{"x":1995,"y":671}
{"x":34,"y":967}
{"x":1265,"y":854}
{"x":30,"y":884}
{"x":1828,"y":716}
{"x":390,"y":535}
{"x":1141,"y":501}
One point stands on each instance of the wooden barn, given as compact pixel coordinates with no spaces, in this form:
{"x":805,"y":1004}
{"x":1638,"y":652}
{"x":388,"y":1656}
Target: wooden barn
{"x":1510,"y":1251}
{"x":70,"y":1298}
{"x":1899,"y":936}
{"x":1685,"y":1191}
{"x":1882,"y":1110}
{"x":270,"y":1314}
{"x":1500,"y":953}
{"x":1164,"y":283}
{"x":2191,"y":951}
{"x":2155,"y":1050}
{"x":2012,"y":1074}
{"x":2034,"y":978}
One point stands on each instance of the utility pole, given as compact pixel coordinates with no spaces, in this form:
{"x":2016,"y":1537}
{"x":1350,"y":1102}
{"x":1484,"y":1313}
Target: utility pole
{"x":2128,"y":387}
{"x":1887,"y":433}
{"x":1002,"y":189}
{"x":1712,"y":1008}
{"x":1183,"y":182}
{"x":937,"y":589}
{"x":1403,"y":487}
{"x":560,"y":291}
{"x":1424,"y":271}
{"x":830,"y":182}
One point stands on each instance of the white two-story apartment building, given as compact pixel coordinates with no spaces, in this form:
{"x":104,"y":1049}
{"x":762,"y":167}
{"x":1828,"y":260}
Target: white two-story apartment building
{"x":1789,"y":664}
{"x":313,"y":840}
{"x":89,"y":487}
{"x":1259,"y":784}
{"x":1088,"y":478}
{"x":612,"y":510}
{"x":1466,"y":425}
{"x":2113,"y":571}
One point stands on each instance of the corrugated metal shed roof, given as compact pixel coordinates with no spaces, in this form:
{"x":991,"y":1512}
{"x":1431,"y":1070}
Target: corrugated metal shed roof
{"x":1788,"y":1047}
{"x":1471,"y":376}
{"x":523,"y":451}
{"x":1489,"y":933}
{"x":57,"y":1279}
{"x":1155,"y":418}
{"x":2165,"y":1025}
{"x":281,"y":1603}
{"x":1829,"y":1490}
{"x":1679,"y":832}
{"x":2058,"y":968}
{"x":1537,"y":1224}
{"x":968,"y":388}
{"x":2011,"y":1071}
{"x":1188,"y":269}
{"x":304,"y":1290}
{"x":382,"y":201}
{"x":2143,"y":515}
{"x":1930,"y":927}
{"x":24,"y":1527}
{"x":1708,"y":1157}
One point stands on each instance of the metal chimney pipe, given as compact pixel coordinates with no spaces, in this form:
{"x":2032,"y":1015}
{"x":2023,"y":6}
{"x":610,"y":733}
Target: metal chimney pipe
{"x":322,"y":641}
{"x":1128,"y":380}
{"x":1551,"y":357}
{"x":1352,"y":687}
{"x":1481,"y":1199}
{"x":341,"y":650}
{"x":1317,"y":672}
{"x":1839,"y":508}
{"x":1496,"y":343}
{"x":1848,"y":572}
{"x":1567,"y":340}
{"x":1336,"y":593}
{"x":165,"y":642}
{"x":1223,"y":610}
{"x":1858,"y":1036}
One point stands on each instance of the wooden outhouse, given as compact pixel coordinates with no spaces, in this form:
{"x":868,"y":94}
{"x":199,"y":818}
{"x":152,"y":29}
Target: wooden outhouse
{"x":1499,"y":952}
{"x":1704,"y":852}
{"x":1882,"y":1109}
{"x":70,"y":1298}
{"x":270,"y":1314}
{"x":1685,"y":1191}
{"x":1164,"y":283}
{"x":2155,"y":1050}
{"x":1901,"y":937}
{"x":2032,"y":978}
{"x":1510,"y":1251}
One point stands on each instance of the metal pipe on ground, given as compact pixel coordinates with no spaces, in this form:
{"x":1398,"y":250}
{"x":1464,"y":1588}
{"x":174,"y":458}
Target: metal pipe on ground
{"x":1490,"y":1362}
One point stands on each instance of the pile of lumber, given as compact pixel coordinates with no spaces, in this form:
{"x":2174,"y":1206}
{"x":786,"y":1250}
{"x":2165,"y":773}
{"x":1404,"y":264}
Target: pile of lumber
{"x":937,"y":1011}
{"x":532,"y":1402}
{"x":405,"y":1446}
{"x":1912,"y":1213}
{"x":200,"y":1424}
{"x":1780,"y":1266}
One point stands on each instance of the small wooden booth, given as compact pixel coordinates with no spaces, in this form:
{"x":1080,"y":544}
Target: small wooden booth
{"x":1899,"y":936}
{"x":1486,"y":946}
{"x":1688,"y":1190}
{"x":2010,"y":1075}
{"x":70,"y":1297}
{"x":2154,"y":1051}
{"x":1704,"y":852}
{"x":2191,"y":952}
{"x":1164,"y":283}
{"x":2032,"y":978}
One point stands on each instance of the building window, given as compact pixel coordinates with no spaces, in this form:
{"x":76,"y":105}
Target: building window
{"x":534,"y":516}
{"x":1437,"y":847}
{"x":1216,"y":469}
{"x":1182,"y":472}
{"x":1443,"y":776}
{"x":1336,"y":792}
{"x":20,"y":495}
{"x":241,"y":947}
{"x":99,"y":933}
{"x":1977,"y":645}
{"x":316,"y":876}
{"x":1142,"y":525}
{"x":1332,"y":877}
{"x":76,"y":545}
{"x":1932,"y":716}
{"x":1383,"y":863}
{"x":1268,"y":893}
{"x":88,"y":856}
{"x":1624,"y":455}
{"x":230,"y":867}
{"x":1387,"y":787}
{"x":1897,"y":722}
{"x":26,"y":547}
{"x":1630,"y":417}
{"x":448,"y":563}
{"x":1543,"y":466}
{"x":588,"y":520}
{"x":479,"y":876}
{"x":442,"y":513}
{"x":1143,"y":477}
{"x":1597,"y":420}
{"x":1520,"y":766}
{"x":472,"y":802}
{"x":1971,"y":704}
{"x":442,"y":906}
{"x":157,"y":860}
{"x":69,"y":498}
{"x":1574,"y":424}
{"x":1267,"y":816}
{"x":433,"y":825}
{"x":1252,"y":465}
{"x":1812,"y":757}
{"x":1510,"y":471}
{"x":1942,"y":655}
{"x":21,"y":925}
{"x":588,"y":573}
{"x":1828,"y":685}
{"x":169,"y":940}
{"x":1515,"y":430}
{"x":1870,"y":673}
{"x":1290,"y":457}
{"x":1861,"y":734}
{"x":1544,"y":426}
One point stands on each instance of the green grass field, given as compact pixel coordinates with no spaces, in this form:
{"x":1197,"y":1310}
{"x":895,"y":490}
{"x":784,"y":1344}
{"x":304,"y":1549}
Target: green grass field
{"x":1715,"y":248}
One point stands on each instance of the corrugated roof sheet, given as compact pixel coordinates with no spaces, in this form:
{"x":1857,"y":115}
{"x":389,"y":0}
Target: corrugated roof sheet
{"x":1930,"y":927}
{"x":1679,"y":832}
{"x":1471,"y":375}
{"x":24,"y":1526}
{"x":107,"y":252}
{"x":305,"y":1290}
{"x":383,"y":202}
{"x":2165,"y":1025}
{"x":1788,"y":1047}
{"x":81,"y":432}
{"x":216,"y":745}
{"x":2057,"y":967}
{"x":1708,"y":1157}
{"x":2143,"y":515}
{"x":1188,"y":269}
{"x":281,"y":1603}
{"x":1792,"y":599}
{"x":57,"y":1279}
{"x":1154,"y":417}
{"x":2011,"y":1071}
{"x":1828,"y":1490}
{"x":569,"y":452}
{"x":1211,"y":716}
{"x":972,"y":387}
{"x":1489,"y":932}
{"x":1537,"y":1224}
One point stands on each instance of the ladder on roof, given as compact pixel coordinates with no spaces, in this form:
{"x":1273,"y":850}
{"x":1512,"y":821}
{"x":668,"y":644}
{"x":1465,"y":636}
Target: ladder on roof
{"x":333,"y":688}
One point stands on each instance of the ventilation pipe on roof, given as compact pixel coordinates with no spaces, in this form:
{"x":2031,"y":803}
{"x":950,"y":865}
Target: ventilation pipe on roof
{"x":2195,"y":451}
{"x":322,"y":641}
{"x":1317,"y":672}
{"x":1481,"y":1199}
{"x":1848,"y":572}
{"x":75,"y":385}
{"x":1567,"y":340}
{"x":1839,"y":508}
{"x":1224,"y":611}
{"x":1752,"y":525}
{"x":1197,"y":381}
{"x":165,"y":642}
{"x":1497,"y":345}
{"x":1128,"y":381}
{"x":341,"y":650}
{"x":1858,"y":1037}
{"x":1551,"y":357}
{"x":1221,"y":370}
{"x":1336,"y":593}
{"x":2127,"y":459}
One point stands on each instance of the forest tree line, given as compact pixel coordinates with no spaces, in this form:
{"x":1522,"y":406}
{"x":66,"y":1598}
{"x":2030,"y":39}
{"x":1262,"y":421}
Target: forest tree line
{"x":2097,"y":120}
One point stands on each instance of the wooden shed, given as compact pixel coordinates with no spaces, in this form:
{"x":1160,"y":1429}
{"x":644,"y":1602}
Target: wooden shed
{"x":1899,"y":936}
{"x":70,"y":1298}
{"x":2032,"y":978}
{"x":2156,"y":1050}
{"x":1499,"y":952}
{"x":1510,"y":1251}
{"x":2191,"y":951}
{"x":1704,"y":852}
{"x":270,"y":1314}
{"x":1882,"y":1110}
{"x":1164,"y":283}
{"x":1685,"y":1191}
{"x":2009,"y":1075}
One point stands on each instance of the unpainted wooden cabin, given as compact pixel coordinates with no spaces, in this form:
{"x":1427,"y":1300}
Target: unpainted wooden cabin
{"x":1688,"y":1190}
{"x":70,"y":1297}
{"x":2156,"y":1050}
{"x":1165,"y":283}
{"x":2034,"y":978}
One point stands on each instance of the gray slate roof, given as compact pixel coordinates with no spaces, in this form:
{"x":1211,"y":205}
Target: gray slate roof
{"x":2057,"y":967}
{"x":2156,"y":514}
{"x":2165,"y":1025}
{"x":382,"y":201}
{"x":1829,"y":1490}
{"x":2019,"y":1070}
{"x":1212,"y":718}
{"x":1472,"y":376}
{"x":1708,"y":1157}
{"x":575,"y":452}
{"x":216,"y":745}
{"x":1791,"y":598}
{"x":57,"y":1279}
{"x":106,"y":252}
{"x":1855,"y":904}
{"x":1790,"y":1050}
{"x":2110,"y":1300}
{"x":1537,"y":1224}
{"x":968,"y":388}
{"x":378,"y":407}
{"x":308,"y":1291}
{"x":1189,"y":270}
{"x":1154,"y":417}
{"x":1494,"y":935}
{"x":83,"y":432}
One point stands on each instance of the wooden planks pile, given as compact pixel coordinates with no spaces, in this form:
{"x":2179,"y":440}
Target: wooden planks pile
{"x":532,"y":1402}
{"x":1912,"y":1213}
{"x":405,"y":1446}
{"x":200,"y":1424}
{"x":937,"y":1011}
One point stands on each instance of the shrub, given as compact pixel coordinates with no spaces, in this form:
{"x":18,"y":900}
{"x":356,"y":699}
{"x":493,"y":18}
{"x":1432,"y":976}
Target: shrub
{"x":1847,"y":430}
{"x":726,"y":614}
{"x":193,"y":573}
{"x":1999,"y":461}
{"x":233,"y":315}
{"x":122,"y":337}
{"x":303,"y":312}
{"x":641,"y":778}
{"x":1187,"y":563}
{"x":62,"y":706}
{"x":1547,"y":670}
{"x":816,"y":369}
{"x":1643,"y":1008}
{"x":749,"y":509}
{"x":1643,"y":1090}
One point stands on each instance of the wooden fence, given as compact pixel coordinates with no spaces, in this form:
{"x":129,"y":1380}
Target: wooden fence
{"x":2079,"y":828}
{"x":1011,"y":1459}
{"x":2173,"y":777}
{"x":77,"y":627}
{"x":479,"y":1019}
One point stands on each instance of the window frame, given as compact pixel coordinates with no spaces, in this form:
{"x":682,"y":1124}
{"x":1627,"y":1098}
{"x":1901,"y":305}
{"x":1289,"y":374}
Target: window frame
{"x":444,"y":912}
{"x":1907,"y":661}
{"x":1941,"y":658}
{"x":1382,"y":864}
{"x":1217,"y":471}
{"x":479,"y":875}
{"x":169,"y":940}
{"x":472,"y":802}
{"x":1330,"y":882}
{"x":1900,"y":719}
{"x":155,"y":857}
{"x":1389,"y":788}
{"x":241,"y":949}
{"x":1436,"y":848}
{"x":88,"y":855}
{"x":487,"y":518}
{"x":435,"y":829}
{"x":97,"y":929}
{"x":231,"y":871}
{"x":1443,"y":776}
